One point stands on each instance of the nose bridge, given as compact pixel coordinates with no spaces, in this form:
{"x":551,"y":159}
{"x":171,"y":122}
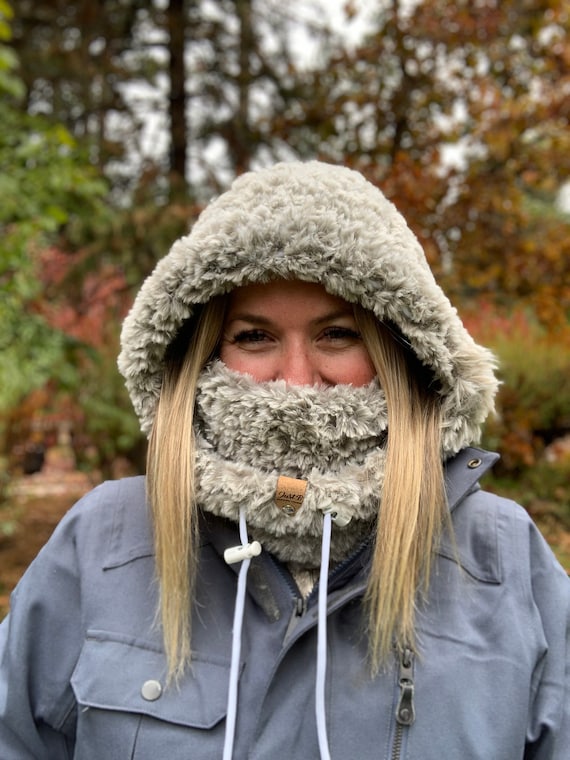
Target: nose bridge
{"x":298,"y":365}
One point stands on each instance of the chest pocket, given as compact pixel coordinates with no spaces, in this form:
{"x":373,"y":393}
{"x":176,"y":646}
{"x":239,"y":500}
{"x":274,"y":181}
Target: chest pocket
{"x":125,"y":709}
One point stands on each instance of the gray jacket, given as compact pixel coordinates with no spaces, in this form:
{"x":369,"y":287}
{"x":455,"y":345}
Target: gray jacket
{"x":82,"y":664}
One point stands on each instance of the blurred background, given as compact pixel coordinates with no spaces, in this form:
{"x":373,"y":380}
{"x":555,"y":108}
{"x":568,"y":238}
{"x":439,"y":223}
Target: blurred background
{"x":120,"y":119}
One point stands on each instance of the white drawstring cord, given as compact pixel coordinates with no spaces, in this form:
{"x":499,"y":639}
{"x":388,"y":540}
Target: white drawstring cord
{"x":242,"y":553}
{"x":322,"y":640}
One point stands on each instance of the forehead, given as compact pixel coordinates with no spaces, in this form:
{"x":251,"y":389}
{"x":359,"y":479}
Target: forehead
{"x":279,"y":296}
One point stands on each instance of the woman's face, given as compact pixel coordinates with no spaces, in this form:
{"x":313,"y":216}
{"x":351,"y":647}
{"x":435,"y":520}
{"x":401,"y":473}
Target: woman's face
{"x":294,"y":331}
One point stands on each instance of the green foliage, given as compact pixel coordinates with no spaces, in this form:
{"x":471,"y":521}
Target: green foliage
{"x":45,"y":179}
{"x":533,"y":404}
{"x":111,"y":428}
{"x":30,"y":351}
{"x":45,"y":185}
{"x":10,"y":84}
{"x":544,"y":490}
{"x":487,"y":79}
{"x":531,"y":430}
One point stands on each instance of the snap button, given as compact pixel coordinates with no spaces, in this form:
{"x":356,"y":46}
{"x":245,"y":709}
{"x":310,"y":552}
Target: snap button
{"x":151,"y":690}
{"x":474,"y":463}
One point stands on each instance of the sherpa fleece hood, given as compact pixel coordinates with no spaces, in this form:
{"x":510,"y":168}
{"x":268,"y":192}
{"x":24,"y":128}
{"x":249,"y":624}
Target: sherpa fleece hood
{"x":320,"y":223}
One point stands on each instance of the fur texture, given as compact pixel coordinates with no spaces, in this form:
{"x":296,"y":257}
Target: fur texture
{"x":250,"y":433}
{"x":320,"y":223}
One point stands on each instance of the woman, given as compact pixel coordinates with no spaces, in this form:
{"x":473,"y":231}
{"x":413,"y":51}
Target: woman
{"x":318,"y":573}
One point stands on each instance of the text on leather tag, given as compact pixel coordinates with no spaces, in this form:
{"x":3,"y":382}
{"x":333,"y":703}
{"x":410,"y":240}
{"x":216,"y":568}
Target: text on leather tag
{"x":289,"y":494}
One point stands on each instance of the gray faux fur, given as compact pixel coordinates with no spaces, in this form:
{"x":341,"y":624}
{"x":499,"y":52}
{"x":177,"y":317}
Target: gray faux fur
{"x":250,"y":433}
{"x":320,"y":223}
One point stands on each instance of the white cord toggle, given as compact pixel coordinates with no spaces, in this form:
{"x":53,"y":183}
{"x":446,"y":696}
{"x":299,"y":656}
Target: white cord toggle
{"x":338,"y":516}
{"x":239,"y":553}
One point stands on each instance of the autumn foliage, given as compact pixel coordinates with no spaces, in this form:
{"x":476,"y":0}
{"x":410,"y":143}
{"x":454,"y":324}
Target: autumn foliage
{"x":88,"y":311}
{"x":458,"y":111}
{"x":533,"y":404}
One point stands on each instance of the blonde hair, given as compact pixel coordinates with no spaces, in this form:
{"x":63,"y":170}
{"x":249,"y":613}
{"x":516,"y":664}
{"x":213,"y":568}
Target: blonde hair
{"x":170,"y":479}
{"x":413,"y":503}
{"x":413,"y":507}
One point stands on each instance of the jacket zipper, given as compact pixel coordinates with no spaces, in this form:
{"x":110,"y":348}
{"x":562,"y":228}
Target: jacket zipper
{"x":405,"y":710}
{"x":301,"y":603}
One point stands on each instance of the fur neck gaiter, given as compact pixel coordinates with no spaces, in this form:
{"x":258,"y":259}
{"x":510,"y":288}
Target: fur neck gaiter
{"x":288,"y":454}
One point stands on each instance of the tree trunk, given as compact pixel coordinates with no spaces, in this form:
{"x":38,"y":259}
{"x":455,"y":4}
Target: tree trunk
{"x":177,"y":100}
{"x":242,"y":146}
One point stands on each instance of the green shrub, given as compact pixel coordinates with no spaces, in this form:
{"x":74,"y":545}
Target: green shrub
{"x":533,"y":403}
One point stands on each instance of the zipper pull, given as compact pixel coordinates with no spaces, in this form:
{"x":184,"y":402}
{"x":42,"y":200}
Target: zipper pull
{"x":405,"y":711}
{"x":299,"y":609}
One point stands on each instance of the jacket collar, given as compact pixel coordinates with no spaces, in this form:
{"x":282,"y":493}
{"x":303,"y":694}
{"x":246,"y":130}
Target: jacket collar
{"x":131,"y":536}
{"x":272,"y":586}
{"x":463,"y":472}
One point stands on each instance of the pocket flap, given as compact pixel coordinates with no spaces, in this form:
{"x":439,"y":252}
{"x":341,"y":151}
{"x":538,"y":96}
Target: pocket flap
{"x":112,"y":673}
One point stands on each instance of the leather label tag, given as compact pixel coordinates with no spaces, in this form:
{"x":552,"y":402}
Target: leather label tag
{"x":289,"y":494}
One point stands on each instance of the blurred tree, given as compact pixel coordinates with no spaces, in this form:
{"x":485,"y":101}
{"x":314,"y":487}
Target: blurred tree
{"x":178,"y":99}
{"x":506,"y":235}
{"x":186,"y":92}
{"x":460,"y":112}
{"x":78,"y":59}
{"x":246,"y":79}
{"x":53,"y":336}
{"x":172,"y":99}
{"x":45,"y":185}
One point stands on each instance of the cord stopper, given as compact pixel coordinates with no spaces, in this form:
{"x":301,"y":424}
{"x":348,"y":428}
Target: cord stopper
{"x":245,"y":551}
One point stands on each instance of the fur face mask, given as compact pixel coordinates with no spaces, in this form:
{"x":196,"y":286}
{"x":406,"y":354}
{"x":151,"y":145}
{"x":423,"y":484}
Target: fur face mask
{"x":250,"y":435}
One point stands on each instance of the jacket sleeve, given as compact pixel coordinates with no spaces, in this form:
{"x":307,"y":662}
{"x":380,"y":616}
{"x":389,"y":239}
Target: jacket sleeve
{"x":39,"y":645}
{"x":548,"y":736}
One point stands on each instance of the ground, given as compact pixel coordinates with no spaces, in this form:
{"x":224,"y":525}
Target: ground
{"x":35,"y":506}
{"x":38,"y":504}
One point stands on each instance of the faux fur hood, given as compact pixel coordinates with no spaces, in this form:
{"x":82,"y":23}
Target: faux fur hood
{"x":320,"y":223}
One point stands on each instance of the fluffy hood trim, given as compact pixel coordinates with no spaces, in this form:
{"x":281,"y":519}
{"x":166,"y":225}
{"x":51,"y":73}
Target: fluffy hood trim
{"x":320,"y":223}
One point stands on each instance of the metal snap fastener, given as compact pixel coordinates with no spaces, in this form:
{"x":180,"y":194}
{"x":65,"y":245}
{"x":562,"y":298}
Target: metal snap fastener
{"x":474,"y":463}
{"x":289,"y":510}
{"x":151,"y":690}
